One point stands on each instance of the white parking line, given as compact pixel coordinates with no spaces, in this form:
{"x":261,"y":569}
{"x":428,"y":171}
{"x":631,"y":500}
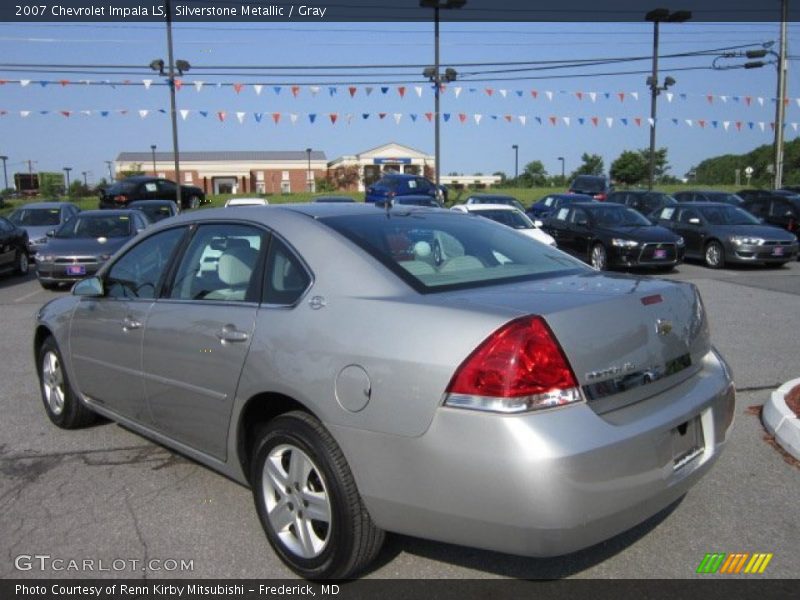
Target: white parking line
{"x":26,"y":296}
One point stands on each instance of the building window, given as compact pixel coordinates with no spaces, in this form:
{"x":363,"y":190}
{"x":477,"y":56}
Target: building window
{"x":260,"y":176}
{"x":260,"y":187}
{"x":286,"y":186}
{"x":284,"y":175}
{"x":188,"y":178}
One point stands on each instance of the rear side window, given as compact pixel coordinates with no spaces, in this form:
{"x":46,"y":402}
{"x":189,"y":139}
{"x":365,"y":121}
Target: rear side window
{"x":122,"y":187}
{"x":442,"y":251}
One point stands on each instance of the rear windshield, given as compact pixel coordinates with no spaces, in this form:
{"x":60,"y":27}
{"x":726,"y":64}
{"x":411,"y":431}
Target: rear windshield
{"x":435,"y":251}
{"x":155,"y":212}
{"x":731,"y":199}
{"x":589,"y":184}
{"x":36,"y":217}
{"x":511,"y":218}
{"x":96,"y":226}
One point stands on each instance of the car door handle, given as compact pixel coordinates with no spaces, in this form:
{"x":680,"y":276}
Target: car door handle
{"x":128,"y":324}
{"x":229,"y":333}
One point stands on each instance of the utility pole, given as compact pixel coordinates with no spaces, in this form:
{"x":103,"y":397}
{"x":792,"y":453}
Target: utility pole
{"x":110,"y":173}
{"x":5,"y":171}
{"x":780,"y":108}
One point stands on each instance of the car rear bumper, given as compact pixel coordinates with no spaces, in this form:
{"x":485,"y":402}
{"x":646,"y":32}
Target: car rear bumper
{"x":542,"y":484}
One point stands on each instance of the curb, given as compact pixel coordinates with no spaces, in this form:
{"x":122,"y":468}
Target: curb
{"x":780,"y":421}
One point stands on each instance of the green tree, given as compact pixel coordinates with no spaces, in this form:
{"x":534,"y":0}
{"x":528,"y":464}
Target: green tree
{"x":533,"y":175}
{"x":50,"y":184}
{"x":661,"y":163}
{"x":629,"y":168}
{"x":136,"y":169}
{"x":591,"y":164}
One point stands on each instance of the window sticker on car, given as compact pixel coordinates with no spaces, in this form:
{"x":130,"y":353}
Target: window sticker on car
{"x":667,"y":213}
{"x":562,"y":214}
{"x":150,"y":187}
{"x":123,"y":217}
{"x":412,"y":184}
{"x":548,"y":201}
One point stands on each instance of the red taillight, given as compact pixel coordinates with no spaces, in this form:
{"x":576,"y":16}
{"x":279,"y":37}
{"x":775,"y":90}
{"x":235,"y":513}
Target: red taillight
{"x":519,"y":367}
{"x":391,"y":194}
{"x":600,"y":197}
{"x":121,"y":199}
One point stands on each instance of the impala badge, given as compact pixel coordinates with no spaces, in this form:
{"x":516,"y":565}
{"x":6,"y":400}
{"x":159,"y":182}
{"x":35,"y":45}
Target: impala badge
{"x":663,"y":327}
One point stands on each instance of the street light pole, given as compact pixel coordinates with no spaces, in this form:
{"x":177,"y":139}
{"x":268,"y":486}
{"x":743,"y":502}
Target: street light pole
{"x":67,"y":170}
{"x":436,"y":77}
{"x":657,"y":16}
{"x":515,"y":147}
{"x":561,"y":158}
{"x":308,"y":173}
{"x":153,"y":152}
{"x":780,"y":107}
{"x":85,"y":181}
{"x":110,"y":172}
{"x":173,"y":111}
{"x":5,"y":172}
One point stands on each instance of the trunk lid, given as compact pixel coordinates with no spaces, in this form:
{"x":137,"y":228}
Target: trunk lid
{"x":626,"y":338}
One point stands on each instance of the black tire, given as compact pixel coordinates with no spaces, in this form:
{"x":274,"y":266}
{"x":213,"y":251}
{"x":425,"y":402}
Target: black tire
{"x":349,"y":540}
{"x":22,"y":263}
{"x":598,"y":257}
{"x":48,"y":286}
{"x":61,"y":403}
{"x":714,"y":255}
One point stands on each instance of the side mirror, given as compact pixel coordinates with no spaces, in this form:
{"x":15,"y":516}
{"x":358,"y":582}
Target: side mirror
{"x":51,"y":233}
{"x":582,"y":223}
{"x":538,"y":223}
{"x":139,"y":230}
{"x":694,"y":221}
{"x":90,"y":287}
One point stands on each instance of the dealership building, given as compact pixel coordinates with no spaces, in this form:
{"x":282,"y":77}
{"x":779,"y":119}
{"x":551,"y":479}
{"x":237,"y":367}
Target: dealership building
{"x":286,"y":171}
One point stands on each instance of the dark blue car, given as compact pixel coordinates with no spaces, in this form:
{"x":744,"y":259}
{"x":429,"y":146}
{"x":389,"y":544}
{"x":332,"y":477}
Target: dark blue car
{"x":392,"y":185}
{"x":552,"y":202}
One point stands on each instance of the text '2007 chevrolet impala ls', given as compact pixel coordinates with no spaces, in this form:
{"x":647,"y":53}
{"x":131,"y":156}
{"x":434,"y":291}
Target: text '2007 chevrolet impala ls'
{"x":508,"y":398}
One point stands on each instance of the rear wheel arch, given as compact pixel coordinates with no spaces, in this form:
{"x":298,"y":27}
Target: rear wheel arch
{"x":41,"y":334}
{"x":258,"y":411}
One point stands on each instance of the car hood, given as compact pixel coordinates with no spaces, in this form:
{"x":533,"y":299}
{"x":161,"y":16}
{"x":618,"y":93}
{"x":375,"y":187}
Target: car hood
{"x":83,"y":246}
{"x":38,"y":231}
{"x":610,"y":327}
{"x":763,"y":231}
{"x":645,"y":234}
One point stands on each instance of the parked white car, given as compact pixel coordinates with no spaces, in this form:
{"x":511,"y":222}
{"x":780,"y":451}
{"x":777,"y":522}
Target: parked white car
{"x":510,"y":216}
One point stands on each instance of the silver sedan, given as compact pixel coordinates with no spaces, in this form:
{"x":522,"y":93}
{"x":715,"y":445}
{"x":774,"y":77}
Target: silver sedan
{"x":508,"y":397}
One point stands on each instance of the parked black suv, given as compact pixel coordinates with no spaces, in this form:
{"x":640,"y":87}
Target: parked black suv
{"x":780,"y":208}
{"x":645,"y":201}
{"x":596,"y":186}
{"x":145,"y":187}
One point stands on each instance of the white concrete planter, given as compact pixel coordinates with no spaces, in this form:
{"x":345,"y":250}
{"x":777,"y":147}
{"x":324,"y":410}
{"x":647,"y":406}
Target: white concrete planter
{"x":780,"y":421}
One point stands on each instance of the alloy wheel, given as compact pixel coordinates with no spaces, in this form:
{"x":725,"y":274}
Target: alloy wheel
{"x":53,"y":382}
{"x":297,"y":501}
{"x":599,"y":257}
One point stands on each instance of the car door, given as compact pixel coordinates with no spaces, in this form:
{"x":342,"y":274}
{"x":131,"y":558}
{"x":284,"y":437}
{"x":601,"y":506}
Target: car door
{"x":689,"y":224}
{"x":167,"y":190}
{"x":581,"y":235}
{"x":557,"y":226}
{"x":106,"y":333}
{"x":199,"y":332}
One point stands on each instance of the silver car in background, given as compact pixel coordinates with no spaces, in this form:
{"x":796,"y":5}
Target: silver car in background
{"x":509,"y":398}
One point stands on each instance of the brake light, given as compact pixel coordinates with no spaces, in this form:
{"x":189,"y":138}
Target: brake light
{"x":121,"y":199}
{"x":391,"y":194}
{"x":518,"y":368}
{"x":600,"y":197}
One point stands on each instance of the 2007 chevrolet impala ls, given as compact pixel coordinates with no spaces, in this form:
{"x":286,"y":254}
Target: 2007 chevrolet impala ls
{"x":508,"y":398}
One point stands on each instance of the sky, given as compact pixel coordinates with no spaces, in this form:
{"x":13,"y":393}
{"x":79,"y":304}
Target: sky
{"x":547,"y":113}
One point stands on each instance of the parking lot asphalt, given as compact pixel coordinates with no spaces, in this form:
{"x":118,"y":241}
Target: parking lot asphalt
{"x":107,"y":494}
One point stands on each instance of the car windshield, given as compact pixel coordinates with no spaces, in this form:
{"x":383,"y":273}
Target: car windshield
{"x":617,"y":216}
{"x":96,"y":226}
{"x":36,"y":217}
{"x":435,"y":251}
{"x":727,"y":215}
{"x":512,"y":218}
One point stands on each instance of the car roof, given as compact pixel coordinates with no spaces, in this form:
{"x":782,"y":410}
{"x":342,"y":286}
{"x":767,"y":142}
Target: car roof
{"x":483,"y":207}
{"x":596,"y":205}
{"x":487,"y":195}
{"x":114,"y":212}
{"x":400,"y":175}
{"x":153,"y":201}
{"x":701,"y":204}
{"x":50,"y":204}
{"x":136,"y":178}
